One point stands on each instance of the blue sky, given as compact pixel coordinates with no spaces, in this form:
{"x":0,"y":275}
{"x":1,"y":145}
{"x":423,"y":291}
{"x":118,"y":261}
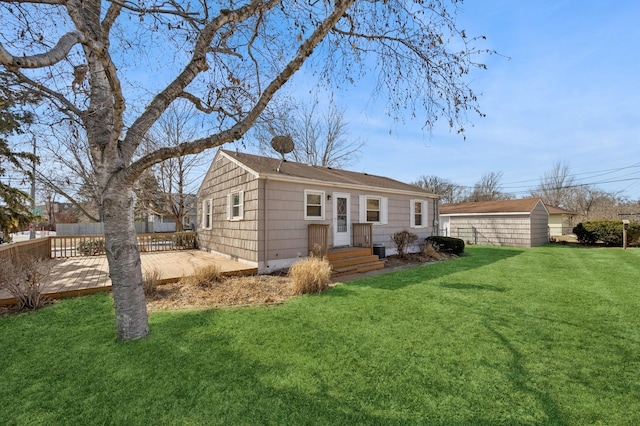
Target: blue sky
{"x":565,"y":90}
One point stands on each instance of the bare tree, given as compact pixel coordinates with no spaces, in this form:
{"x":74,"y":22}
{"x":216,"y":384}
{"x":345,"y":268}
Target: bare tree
{"x":450,"y":192}
{"x":115,"y":67}
{"x":557,"y":186}
{"x":70,"y":172}
{"x":320,"y":138}
{"x":168,"y":188}
{"x":488,"y":188}
{"x":591,"y":203}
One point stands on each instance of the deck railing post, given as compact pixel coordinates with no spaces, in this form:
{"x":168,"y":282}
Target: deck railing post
{"x":318,"y":239}
{"x":363,"y":235}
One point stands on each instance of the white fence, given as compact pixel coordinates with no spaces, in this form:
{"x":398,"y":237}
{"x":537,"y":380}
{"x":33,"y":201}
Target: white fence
{"x":97,"y":228}
{"x":160,"y":227}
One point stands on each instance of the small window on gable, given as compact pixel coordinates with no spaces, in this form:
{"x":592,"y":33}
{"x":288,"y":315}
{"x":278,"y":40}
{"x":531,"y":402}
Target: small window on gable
{"x":418,"y":212}
{"x":207,"y":214}
{"x":313,"y":205}
{"x":373,"y":209}
{"x":235,"y":206}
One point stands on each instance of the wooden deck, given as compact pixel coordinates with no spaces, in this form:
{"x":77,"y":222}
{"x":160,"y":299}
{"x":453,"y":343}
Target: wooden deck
{"x":84,"y":275}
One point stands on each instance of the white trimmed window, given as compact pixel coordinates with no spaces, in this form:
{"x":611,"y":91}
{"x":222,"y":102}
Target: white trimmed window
{"x":235,"y":205}
{"x":373,"y":209}
{"x":313,"y":205}
{"x":207,"y":214}
{"x":418,"y":212}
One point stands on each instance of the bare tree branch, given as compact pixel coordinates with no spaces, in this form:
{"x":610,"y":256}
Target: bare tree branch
{"x":196,"y":65}
{"x":66,"y":105}
{"x":52,"y":57}
{"x":240,"y":128}
{"x":43,"y":179}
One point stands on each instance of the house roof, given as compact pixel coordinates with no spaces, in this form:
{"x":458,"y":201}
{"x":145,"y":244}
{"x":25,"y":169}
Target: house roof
{"x":560,"y":210}
{"x":522,"y":205}
{"x":274,"y":168}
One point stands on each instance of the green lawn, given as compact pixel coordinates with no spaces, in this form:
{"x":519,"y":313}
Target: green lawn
{"x":549,"y":335}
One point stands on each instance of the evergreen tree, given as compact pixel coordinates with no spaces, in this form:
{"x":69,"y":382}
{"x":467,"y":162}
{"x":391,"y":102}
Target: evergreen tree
{"x":14,"y":203}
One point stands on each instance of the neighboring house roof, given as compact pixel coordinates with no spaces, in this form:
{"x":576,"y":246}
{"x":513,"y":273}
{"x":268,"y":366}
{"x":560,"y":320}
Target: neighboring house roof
{"x":276,"y":169}
{"x":523,"y":205}
{"x":560,"y":210}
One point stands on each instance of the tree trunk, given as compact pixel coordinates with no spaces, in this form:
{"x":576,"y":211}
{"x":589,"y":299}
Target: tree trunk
{"x":125,"y":268}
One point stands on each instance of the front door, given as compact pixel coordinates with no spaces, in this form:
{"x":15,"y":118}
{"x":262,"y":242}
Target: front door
{"x":341,"y":221}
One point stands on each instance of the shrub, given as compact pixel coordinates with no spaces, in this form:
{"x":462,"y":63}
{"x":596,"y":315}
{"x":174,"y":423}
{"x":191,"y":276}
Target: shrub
{"x":91,"y":247}
{"x":310,"y":275}
{"x":150,"y":281}
{"x":25,"y":278}
{"x":402,"y":241}
{"x":608,"y":232}
{"x":633,"y":234}
{"x":205,"y":276}
{"x":446,"y":244}
{"x":584,"y":235}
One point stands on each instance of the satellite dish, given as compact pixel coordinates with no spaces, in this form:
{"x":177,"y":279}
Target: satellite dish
{"x":282,"y":144}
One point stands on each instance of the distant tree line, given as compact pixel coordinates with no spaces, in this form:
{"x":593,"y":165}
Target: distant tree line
{"x":557,"y":187}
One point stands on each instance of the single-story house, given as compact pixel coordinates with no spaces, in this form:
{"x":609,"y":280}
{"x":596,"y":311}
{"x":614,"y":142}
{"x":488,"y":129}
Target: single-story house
{"x":522,"y":222}
{"x":269,"y":212}
{"x":560,"y":221}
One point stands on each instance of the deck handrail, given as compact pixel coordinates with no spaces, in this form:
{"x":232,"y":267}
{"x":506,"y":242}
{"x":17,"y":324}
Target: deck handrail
{"x":39,"y":248}
{"x":93,"y":245}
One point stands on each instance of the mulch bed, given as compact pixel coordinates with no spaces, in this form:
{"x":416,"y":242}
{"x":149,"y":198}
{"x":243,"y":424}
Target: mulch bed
{"x":235,"y":291}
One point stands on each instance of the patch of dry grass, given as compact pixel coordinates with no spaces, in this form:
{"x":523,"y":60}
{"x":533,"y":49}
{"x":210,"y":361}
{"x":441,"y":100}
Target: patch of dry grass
{"x":204,"y":277}
{"x":228,"y":291}
{"x":310,"y":275}
{"x":150,"y":281}
{"x":431,"y":253}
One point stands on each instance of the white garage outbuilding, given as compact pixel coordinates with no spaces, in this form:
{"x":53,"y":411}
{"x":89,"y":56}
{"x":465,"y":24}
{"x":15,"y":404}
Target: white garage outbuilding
{"x":520,"y":223}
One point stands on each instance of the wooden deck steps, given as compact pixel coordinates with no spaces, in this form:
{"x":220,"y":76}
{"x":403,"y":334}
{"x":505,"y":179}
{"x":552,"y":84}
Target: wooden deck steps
{"x":352,"y":260}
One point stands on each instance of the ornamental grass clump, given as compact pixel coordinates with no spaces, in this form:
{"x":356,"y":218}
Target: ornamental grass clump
{"x":205,"y":276}
{"x":310,"y":275}
{"x":430,"y":252}
{"x":150,"y":281}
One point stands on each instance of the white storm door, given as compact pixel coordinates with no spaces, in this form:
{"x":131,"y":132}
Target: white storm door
{"x":341,"y":219}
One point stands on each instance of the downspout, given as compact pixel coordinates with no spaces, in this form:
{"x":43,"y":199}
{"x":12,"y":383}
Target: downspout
{"x":264,"y":224}
{"x":436,"y":215}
